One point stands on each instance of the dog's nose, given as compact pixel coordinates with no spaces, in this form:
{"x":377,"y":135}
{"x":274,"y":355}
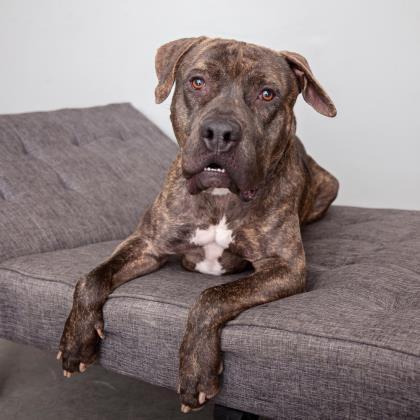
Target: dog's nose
{"x":220,"y":135}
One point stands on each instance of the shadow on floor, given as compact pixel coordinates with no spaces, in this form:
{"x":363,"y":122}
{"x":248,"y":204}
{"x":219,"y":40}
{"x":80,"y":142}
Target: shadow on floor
{"x":32,"y":387}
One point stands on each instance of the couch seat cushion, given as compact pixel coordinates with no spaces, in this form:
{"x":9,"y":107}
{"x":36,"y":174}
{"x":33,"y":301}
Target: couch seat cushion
{"x":347,"y":346}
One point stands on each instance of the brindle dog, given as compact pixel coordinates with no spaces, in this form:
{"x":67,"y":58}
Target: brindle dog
{"x":236,"y":195}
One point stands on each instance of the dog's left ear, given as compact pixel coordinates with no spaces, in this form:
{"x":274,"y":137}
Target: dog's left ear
{"x":312,"y":91}
{"x":168,"y":58}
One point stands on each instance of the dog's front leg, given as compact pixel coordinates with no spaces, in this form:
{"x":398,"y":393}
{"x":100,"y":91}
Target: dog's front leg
{"x":200,"y":355}
{"x":85,"y":326}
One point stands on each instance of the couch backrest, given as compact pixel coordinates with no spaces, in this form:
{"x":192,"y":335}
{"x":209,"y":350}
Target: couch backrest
{"x":77,"y":176}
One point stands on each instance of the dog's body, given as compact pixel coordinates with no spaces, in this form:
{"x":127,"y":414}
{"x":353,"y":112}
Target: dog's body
{"x":235,"y":196}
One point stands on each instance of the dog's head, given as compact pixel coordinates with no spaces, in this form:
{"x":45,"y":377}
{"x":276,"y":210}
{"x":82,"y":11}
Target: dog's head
{"x":232,"y":109}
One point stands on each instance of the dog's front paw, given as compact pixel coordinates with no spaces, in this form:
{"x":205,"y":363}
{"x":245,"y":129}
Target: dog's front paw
{"x":199,"y":370}
{"x":79,"y":343}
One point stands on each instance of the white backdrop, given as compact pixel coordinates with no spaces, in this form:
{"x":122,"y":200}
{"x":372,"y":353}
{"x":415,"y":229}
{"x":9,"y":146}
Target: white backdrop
{"x":366,"y":53}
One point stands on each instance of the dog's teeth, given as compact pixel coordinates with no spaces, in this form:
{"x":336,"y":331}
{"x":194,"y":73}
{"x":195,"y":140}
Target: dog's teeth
{"x":209,"y":169}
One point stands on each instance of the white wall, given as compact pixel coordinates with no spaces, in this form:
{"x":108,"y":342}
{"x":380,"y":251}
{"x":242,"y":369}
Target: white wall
{"x":366,"y":53}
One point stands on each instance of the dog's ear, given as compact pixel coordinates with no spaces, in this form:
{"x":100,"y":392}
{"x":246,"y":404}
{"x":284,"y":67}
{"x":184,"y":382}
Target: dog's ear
{"x":168,"y":58}
{"x":312,"y":91}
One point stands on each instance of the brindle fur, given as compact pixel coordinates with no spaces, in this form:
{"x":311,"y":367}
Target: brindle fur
{"x":291,"y":190}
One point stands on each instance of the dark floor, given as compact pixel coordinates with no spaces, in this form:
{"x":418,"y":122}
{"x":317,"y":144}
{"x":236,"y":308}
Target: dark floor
{"x":32,"y":387}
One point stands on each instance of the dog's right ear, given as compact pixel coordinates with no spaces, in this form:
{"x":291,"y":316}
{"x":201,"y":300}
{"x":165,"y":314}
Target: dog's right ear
{"x":168,"y":58}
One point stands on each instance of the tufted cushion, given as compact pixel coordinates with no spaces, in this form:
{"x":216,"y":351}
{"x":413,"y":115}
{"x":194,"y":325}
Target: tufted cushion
{"x":76,"y":176}
{"x":347,"y":348}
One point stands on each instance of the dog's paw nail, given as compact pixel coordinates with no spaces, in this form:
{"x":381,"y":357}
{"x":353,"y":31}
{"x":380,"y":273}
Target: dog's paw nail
{"x":220,"y":368}
{"x":82,"y":367}
{"x":59,"y":354}
{"x":100,"y":333}
{"x":185,"y":408}
{"x":201,"y":397}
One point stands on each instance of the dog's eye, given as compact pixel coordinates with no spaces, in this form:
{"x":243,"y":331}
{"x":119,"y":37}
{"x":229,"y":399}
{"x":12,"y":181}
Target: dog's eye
{"x":197,"y":83}
{"x":267,"y":95}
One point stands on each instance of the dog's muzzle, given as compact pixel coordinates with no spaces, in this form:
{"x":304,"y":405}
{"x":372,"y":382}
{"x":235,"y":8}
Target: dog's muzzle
{"x":216,"y":166}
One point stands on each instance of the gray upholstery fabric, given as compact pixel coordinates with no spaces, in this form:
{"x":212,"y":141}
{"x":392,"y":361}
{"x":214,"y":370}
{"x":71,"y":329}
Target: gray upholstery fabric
{"x":347,"y":348}
{"x":76,"y":176}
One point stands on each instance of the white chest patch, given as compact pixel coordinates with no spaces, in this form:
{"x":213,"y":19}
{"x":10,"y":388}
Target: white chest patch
{"x":214,"y":240}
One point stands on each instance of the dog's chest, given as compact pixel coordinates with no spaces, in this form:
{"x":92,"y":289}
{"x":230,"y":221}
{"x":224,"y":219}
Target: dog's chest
{"x":214,"y":240}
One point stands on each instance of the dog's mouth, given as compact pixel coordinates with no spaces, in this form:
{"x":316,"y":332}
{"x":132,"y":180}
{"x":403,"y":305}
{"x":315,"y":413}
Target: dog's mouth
{"x":215,"y":175}
{"x":214,"y":168}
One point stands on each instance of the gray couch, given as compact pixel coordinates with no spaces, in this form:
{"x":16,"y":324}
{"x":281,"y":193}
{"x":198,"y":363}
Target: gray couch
{"x":73,"y":183}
